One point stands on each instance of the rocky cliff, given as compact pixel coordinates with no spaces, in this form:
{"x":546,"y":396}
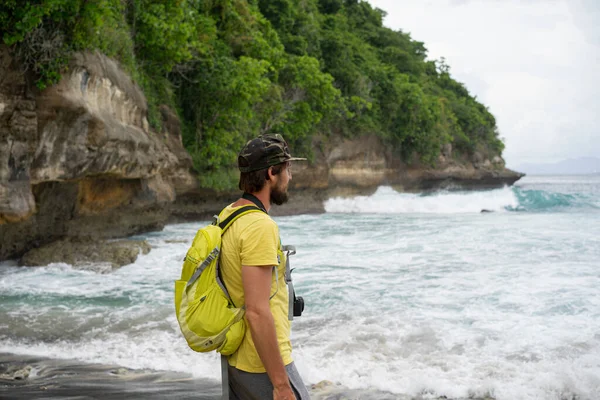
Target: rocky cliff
{"x":351,"y":165}
{"x":78,"y":160}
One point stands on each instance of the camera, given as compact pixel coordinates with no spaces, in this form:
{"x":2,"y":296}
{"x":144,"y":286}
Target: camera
{"x":298,"y":305}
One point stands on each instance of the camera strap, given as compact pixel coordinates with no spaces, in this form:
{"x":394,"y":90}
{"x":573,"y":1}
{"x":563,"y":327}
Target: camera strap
{"x":291,"y":250}
{"x":255,"y":200}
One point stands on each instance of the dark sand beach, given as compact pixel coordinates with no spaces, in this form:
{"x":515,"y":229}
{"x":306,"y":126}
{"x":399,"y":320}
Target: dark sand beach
{"x":27,"y":377}
{"x":31,"y":377}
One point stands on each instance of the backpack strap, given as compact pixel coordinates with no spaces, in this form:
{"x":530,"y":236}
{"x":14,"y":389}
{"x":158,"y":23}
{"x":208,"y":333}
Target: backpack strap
{"x":200,"y":268}
{"x":235,"y":215}
{"x":216,"y":252}
{"x":224,"y":225}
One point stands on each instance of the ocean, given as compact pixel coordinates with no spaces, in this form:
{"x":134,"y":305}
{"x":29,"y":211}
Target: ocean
{"x":417,"y":295}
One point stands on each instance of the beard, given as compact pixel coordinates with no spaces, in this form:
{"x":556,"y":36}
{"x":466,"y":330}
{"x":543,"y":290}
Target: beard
{"x":279,"y":196}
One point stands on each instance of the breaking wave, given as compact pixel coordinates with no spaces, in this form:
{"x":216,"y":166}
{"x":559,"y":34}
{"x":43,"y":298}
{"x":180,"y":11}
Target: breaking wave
{"x":387,"y":201}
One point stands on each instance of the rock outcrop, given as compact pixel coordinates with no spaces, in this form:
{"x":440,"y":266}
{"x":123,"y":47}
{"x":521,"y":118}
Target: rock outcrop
{"x":79,"y":159}
{"x":81,"y":252}
{"x":358,"y":165}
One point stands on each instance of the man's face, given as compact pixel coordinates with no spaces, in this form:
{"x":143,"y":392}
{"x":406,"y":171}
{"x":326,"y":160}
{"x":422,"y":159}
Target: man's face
{"x":279,"y":191}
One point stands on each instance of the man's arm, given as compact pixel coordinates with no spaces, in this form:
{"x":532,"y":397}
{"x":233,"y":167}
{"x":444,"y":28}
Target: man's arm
{"x":257,"y":290}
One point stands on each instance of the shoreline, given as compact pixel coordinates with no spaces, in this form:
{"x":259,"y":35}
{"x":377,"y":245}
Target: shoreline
{"x":24,"y":377}
{"x":58,"y":215}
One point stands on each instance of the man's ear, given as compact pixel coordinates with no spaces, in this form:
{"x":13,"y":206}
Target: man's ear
{"x":270,"y":173}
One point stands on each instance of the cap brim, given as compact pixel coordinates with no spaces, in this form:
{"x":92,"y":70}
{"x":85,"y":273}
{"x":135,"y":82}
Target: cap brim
{"x":296,"y":159}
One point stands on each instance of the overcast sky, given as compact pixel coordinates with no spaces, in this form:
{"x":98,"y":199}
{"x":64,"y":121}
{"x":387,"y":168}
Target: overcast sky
{"x":534,"y":63}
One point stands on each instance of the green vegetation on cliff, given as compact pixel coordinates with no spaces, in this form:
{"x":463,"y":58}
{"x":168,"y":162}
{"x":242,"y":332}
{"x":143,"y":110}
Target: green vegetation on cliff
{"x":235,"y":68}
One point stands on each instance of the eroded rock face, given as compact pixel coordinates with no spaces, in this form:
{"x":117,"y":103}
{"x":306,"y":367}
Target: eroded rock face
{"x":360,"y":162}
{"x":18,"y":138}
{"x":93,"y":122}
{"x":80,"y":159}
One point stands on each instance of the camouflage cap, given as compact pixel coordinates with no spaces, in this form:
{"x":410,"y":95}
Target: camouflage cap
{"x":263,"y":152}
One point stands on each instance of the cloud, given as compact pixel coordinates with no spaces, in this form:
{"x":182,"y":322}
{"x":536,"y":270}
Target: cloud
{"x":533,"y":63}
{"x":586,"y":14}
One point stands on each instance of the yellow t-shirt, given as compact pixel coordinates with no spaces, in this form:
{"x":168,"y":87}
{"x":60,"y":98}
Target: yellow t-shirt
{"x":253,"y":239}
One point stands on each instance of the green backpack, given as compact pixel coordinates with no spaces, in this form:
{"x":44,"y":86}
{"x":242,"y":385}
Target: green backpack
{"x":208,"y":318}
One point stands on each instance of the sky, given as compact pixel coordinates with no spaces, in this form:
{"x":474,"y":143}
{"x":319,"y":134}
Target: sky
{"x":534,"y":63}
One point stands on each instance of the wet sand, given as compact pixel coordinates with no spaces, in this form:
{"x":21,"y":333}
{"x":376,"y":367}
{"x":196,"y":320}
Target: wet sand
{"x":27,"y":377}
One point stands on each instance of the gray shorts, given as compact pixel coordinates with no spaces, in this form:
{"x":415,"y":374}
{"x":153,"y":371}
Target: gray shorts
{"x":255,"y":386}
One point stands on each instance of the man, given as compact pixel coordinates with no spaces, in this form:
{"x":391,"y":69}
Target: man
{"x":253,"y":269}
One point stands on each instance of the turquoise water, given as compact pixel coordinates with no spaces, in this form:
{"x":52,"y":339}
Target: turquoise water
{"x":420,"y":295}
